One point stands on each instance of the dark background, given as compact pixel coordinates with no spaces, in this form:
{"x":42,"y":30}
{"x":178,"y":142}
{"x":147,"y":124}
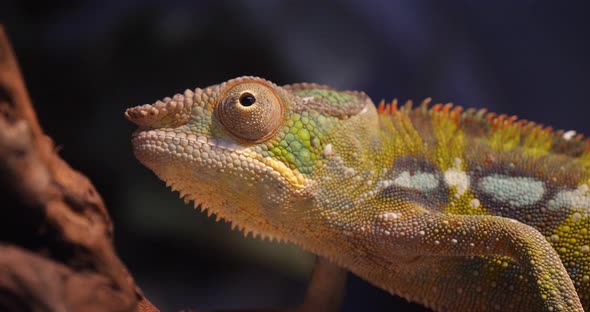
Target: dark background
{"x":85,"y":62}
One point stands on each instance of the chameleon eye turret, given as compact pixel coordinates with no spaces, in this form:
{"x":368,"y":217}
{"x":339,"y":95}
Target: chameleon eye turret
{"x":250,"y":110}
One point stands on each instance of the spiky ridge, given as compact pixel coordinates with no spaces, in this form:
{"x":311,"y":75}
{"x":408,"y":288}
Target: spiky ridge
{"x":202,"y":205}
{"x":479,"y":122}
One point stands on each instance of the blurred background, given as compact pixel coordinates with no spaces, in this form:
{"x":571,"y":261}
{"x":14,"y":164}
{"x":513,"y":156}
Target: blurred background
{"x":86,"y":61}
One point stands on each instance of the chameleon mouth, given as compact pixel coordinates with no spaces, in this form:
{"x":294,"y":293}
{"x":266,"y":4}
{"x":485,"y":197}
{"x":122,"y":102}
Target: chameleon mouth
{"x":178,"y":158}
{"x":158,"y":146}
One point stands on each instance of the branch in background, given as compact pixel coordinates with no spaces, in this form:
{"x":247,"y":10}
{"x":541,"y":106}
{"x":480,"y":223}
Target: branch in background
{"x":56,"y":248}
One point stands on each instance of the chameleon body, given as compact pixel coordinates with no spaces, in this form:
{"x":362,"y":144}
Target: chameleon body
{"x":456,"y":210}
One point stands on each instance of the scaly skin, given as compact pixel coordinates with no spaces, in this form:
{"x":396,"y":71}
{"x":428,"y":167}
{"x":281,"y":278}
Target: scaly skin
{"x":458,"y":211}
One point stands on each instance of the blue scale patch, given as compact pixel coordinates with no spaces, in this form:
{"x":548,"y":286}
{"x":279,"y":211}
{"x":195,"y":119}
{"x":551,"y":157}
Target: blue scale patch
{"x":417,"y":180}
{"x":420,"y":181}
{"x":507,"y":190}
{"x":512,"y":191}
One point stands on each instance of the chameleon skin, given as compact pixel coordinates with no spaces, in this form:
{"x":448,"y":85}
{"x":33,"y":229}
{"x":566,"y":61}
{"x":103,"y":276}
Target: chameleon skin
{"x":456,"y":210}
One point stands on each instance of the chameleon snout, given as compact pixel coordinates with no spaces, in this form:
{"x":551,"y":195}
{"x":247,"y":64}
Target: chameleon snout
{"x":167,"y":113}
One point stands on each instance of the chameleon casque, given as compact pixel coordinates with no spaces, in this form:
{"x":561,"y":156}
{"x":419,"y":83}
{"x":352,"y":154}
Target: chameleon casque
{"x":458,"y":210}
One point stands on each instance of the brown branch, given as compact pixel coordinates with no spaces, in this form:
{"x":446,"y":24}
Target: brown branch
{"x":56,"y":249}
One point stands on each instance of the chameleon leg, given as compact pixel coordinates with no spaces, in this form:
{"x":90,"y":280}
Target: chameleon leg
{"x":437,"y":235}
{"x":326,"y":288}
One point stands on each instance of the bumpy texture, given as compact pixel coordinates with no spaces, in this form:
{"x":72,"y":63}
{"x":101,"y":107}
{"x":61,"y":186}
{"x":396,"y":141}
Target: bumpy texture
{"x":457,"y":210}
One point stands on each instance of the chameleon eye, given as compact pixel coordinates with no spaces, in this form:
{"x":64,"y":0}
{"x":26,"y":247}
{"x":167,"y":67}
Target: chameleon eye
{"x":247,"y":99}
{"x":251,"y":111}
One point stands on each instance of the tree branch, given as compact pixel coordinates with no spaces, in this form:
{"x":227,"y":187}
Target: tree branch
{"x":56,"y":248}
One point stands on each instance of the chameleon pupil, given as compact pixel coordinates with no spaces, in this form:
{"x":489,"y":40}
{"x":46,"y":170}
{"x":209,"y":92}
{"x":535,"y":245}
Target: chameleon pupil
{"x":247,"y":99}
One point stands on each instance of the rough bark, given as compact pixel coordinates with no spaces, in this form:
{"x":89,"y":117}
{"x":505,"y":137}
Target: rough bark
{"x":56,"y":236}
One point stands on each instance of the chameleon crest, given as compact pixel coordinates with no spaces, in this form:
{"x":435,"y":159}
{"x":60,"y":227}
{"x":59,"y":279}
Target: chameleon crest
{"x":456,"y":210}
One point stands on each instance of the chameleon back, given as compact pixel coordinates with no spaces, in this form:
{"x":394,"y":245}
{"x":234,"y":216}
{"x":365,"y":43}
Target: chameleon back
{"x":477,"y":163}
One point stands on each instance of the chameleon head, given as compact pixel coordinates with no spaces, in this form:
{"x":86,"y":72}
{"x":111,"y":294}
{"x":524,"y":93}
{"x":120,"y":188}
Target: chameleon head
{"x":245,"y":149}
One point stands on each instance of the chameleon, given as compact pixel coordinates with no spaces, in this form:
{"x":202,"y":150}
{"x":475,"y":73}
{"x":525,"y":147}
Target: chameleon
{"x":455,"y":209}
